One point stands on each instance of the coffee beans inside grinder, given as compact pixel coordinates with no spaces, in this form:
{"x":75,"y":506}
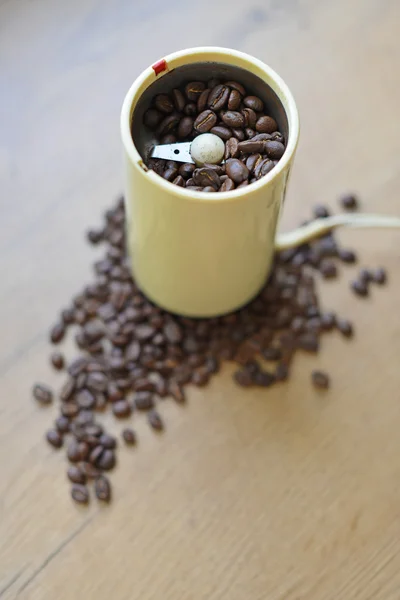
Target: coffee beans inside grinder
{"x":243,"y":117}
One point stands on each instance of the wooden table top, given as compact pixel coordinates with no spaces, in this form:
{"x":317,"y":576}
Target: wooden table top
{"x":278,"y":495}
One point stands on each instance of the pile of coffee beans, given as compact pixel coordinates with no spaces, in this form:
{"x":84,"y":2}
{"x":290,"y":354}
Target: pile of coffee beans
{"x":253,"y":142}
{"x":133,"y":354}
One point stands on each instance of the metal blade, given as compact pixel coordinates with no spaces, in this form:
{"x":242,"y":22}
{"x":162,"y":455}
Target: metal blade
{"x":179,"y":152}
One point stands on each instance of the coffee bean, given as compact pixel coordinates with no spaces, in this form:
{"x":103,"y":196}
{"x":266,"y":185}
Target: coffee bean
{"x":320,"y":211}
{"x":345,"y":327}
{"x":265,"y":137}
{"x":250,"y":147}
{"x":67,"y":316}
{"x":42,"y":394}
{"x":206,"y":176}
{"x":172,"y":164}
{"x":176,"y":391}
{"x":379,"y":276}
{"x":298,"y":325}
{"x":155,"y":420}
{"x":62,"y":424}
{"x":272,"y":353}
{"x":80,"y":493}
{"x":161,"y":388}
{"x":129,"y":437}
{"x":238,"y":134}
{"x":106,"y":462}
{"x":85,"y":399}
{"x":347,"y":256}
{"x":252,"y":161}
{"x":108,"y":441}
{"x":97,"y":381}
{"x":152,"y":118}
{"x":57,"y":333}
{"x":234,"y":85}
{"x":314,"y":325}
{"x":223,"y":132}
{"x":263,"y":379}
{"x":144,"y":332}
{"x":266,"y":125}
{"x":74,"y":452}
{"x":200,"y":377}
{"x":75,"y":475}
{"x":202,"y":101}
{"x":360,"y":288}
{"x":94,"y":429}
{"x":243,"y":184}
{"x":190,"y":109}
{"x":164,"y":104}
{"x":263,"y":167}
{"x":186,"y":170}
{"x":328,"y":321}
{"x":218,"y":97}
{"x":168,"y":124}
{"x":328,"y":269}
{"x":170,"y":174}
{"x":365,"y":276}
{"x":254,"y":102}
{"x":102,"y":488}
{"x":70,"y":410}
{"x":243,"y":378}
{"x":194,"y":89}
{"x":236,"y":170}
{"x":250,"y":133}
{"x":57,"y":360}
{"x":94,"y":236}
{"x":121,"y":409}
{"x":95,"y":454}
{"x":349,"y":201}
{"x":320,"y":380}
{"x":90,"y":471}
{"x":327,"y":246}
{"x":205,"y":121}
{"x":54,"y":438}
{"x":274,"y":150}
{"x":185,"y":127}
{"x":80,"y":382}
{"x":308,"y":342}
{"x":232,"y":148}
{"x":212,"y":365}
{"x":250,"y":119}
{"x":234,"y":100}
{"x":113,"y":392}
{"x":173,"y":332}
{"x":85,"y":418}
{"x":143,"y":400}
{"x":219,"y":169}
{"x":168,"y":138}
{"x":227,"y":185}
{"x":179,"y":181}
{"x":281,"y":372}
{"x":233,"y":118}
{"x":178,"y":99}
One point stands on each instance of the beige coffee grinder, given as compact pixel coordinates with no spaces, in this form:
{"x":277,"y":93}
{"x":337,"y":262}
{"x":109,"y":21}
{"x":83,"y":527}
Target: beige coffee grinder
{"x":206,"y":254}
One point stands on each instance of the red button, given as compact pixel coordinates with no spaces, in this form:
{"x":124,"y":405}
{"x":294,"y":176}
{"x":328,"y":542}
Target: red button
{"x":159,"y":66}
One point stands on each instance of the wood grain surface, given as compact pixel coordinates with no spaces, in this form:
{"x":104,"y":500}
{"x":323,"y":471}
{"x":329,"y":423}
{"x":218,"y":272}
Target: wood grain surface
{"x":278,"y":495}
